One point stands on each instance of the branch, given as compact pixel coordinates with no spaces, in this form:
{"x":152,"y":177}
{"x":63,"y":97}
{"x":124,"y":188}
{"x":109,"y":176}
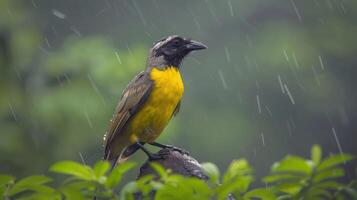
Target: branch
{"x":179,"y":163}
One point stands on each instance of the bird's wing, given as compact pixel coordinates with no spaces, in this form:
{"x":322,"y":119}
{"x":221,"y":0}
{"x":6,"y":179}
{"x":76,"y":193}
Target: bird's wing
{"x":177,"y":109}
{"x":133,"y":97}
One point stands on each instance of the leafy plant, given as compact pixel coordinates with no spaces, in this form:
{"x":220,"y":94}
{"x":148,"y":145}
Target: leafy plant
{"x":236,"y":181}
{"x":291,"y":178}
{"x":297,"y":178}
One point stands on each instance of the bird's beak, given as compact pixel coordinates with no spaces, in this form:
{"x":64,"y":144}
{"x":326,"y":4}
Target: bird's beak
{"x":194,"y":45}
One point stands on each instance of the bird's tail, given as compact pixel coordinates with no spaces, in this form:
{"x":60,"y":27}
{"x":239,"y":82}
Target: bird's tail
{"x":123,"y":156}
{"x":118,"y":160}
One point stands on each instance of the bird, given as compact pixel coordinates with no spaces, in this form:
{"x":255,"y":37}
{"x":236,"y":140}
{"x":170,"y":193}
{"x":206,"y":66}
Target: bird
{"x":149,"y":101}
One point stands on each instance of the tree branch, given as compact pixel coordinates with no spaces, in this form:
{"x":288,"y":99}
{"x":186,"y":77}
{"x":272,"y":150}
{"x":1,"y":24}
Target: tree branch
{"x":178,"y":162}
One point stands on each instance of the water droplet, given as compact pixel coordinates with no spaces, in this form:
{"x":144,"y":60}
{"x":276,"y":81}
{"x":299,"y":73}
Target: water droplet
{"x":296,"y":10}
{"x":94,"y":86}
{"x":258,"y":102}
{"x":12,"y":112}
{"x":231,"y":11}
{"x":289,"y":94}
{"x":58,"y":14}
{"x":321,"y":63}
{"x":281,"y":84}
{"x":337,"y":141}
{"x":222,"y":79}
{"x":118,"y":58}
{"x":88,"y":119}
{"x":228,"y":57}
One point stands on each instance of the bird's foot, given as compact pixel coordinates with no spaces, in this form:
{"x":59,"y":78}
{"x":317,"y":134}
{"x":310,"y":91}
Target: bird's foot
{"x":165,"y":146}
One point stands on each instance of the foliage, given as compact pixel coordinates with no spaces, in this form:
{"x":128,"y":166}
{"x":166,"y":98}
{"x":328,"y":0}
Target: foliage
{"x":297,"y":178}
{"x":291,"y":178}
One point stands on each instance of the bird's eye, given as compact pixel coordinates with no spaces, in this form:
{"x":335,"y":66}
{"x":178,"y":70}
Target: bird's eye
{"x":176,"y":42}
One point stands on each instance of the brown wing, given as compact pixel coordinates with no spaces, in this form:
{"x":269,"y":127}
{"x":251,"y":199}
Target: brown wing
{"x":133,"y":97}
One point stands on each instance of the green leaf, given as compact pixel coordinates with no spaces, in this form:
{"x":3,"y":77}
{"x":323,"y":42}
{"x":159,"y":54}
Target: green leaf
{"x":160,"y":170}
{"x":293,"y":164}
{"x":79,"y":185}
{"x":145,"y":179}
{"x":225,"y":189}
{"x":78,"y":189}
{"x":212,"y":171}
{"x":100,"y":168}
{"x":281,"y":178}
{"x":284,"y":197}
{"x":317,"y":193}
{"x":238,"y":185}
{"x":316,"y":154}
{"x":3,"y":192}
{"x":261,"y":193}
{"x":156,"y":185}
{"x":73,"y":168}
{"x":170,"y":191}
{"x":41,"y":189}
{"x":328,"y":185}
{"x":174,"y":178}
{"x":197,"y":184}
{"x":289,"y":188}
{"x":6,"y":179}
{"x":143,"y":184}
{"x":198,"y":187}
{"x":41,"y":196}
{"x":237,"y":167}
{"x":329,"y":174}
{"x":115,"y":176}
{"x":184,"y":188}
{"x":237,"y":179}
{"x":128,"y":191}
{"x":72,"y":193}
{"x":244,"y":182}
{"x":334,"y":160}
{"x":29,"y":183}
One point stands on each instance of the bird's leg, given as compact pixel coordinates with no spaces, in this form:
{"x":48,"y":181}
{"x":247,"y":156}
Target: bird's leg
{"x":151,"y":156}
{"x":165,"y":146}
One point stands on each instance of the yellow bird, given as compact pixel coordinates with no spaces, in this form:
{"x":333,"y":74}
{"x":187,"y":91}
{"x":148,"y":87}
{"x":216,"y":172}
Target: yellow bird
{"x":149,"y":101}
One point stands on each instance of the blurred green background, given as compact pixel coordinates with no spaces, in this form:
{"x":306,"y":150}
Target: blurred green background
{"x":279,"y":76}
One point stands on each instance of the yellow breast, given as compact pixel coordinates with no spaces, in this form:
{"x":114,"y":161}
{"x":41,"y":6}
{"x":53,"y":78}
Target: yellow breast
{"x":152,"y":118}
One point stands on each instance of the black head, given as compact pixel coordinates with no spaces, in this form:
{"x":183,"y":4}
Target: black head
{"x":170,"y":51}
